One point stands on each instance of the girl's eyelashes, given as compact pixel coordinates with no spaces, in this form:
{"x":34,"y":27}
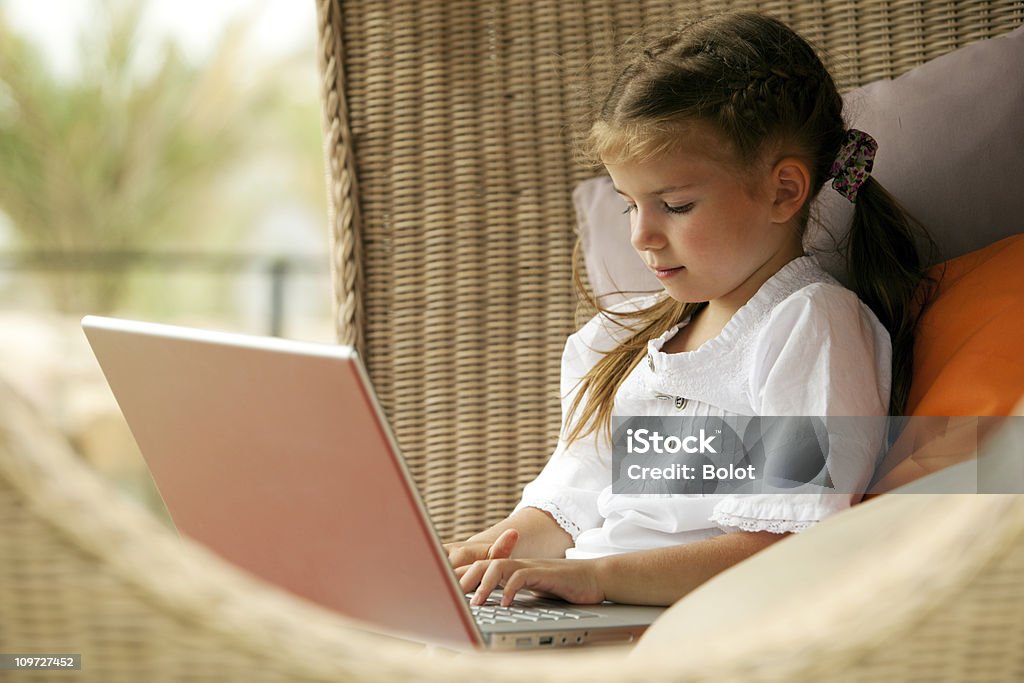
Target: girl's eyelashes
{"x":683,"y":208}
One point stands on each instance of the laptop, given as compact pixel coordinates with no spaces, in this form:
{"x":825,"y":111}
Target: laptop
{"x":276,"y":455}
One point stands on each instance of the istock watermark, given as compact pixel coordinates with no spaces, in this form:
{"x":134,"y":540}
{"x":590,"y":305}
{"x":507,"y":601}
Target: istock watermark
{"x":642,"y":441}
{"x":846,"y":455}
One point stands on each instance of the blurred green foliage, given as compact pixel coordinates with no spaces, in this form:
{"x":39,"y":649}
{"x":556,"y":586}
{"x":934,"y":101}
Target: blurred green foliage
{"x":130,"y":156}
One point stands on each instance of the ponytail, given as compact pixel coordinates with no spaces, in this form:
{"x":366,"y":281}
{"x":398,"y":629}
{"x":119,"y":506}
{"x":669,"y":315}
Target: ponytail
{"x":888,"y":274}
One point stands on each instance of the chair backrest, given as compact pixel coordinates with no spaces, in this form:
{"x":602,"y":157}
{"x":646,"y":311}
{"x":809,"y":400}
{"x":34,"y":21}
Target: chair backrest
{"x":448,"y":130}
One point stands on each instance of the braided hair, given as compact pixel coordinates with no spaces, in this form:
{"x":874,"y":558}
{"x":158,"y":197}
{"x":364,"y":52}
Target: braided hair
{"x":761,"y":87}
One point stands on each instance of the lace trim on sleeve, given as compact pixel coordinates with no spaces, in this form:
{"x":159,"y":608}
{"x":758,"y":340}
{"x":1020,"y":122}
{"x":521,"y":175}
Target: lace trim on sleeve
{"x":570,"y":527}
{"x":776,"y":526}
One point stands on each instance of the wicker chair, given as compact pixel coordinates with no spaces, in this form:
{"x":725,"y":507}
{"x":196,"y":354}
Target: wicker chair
{"x":937,"y":597}
{"x":448,"y":132}
{"x":447,"y":128}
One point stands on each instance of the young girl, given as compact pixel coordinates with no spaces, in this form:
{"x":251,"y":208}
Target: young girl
{"x":717,"y":136}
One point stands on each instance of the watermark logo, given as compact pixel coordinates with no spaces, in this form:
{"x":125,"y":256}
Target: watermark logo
{"x":720,"y":455}
{"x":845,"y":455}
{"x":641,"y":441}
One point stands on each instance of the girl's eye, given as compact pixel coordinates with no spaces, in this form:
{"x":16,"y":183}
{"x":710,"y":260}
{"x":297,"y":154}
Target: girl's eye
{"x":685,"y":208}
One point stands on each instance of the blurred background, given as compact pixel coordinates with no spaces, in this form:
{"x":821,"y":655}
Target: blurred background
{"x":159,"y":160}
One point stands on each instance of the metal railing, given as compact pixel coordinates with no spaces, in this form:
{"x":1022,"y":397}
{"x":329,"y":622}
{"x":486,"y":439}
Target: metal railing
{"x":278,"y":269}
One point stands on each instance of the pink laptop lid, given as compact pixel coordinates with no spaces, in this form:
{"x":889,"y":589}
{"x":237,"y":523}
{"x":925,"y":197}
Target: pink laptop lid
{"x":275,"y":454}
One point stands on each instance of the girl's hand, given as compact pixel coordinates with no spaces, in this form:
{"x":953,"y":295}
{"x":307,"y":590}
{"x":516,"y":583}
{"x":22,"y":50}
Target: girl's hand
{"x":571,"y":580}
{"x":463,"y":553}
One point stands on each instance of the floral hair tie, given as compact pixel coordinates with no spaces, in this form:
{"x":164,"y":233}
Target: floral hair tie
{"x":853,"y":163}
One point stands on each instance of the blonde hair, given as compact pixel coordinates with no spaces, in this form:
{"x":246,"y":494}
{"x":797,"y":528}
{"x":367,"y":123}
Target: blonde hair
{"x":594,"y":400}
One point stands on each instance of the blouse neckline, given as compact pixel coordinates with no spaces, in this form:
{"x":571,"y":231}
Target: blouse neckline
{"x":793,"y":272}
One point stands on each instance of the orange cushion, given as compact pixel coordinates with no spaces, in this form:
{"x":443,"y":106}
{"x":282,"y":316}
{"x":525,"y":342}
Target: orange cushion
{"x":968,"y":362}
{"x":969,"y":348}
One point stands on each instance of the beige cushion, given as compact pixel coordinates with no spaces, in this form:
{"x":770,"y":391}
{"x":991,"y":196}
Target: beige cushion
{"x":858,"y":573}
{"x":613,"y":265}
{"x":771,"y":585}
{"x":907,"y":545}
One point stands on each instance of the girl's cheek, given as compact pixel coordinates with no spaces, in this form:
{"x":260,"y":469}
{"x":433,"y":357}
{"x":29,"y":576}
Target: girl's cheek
{"x":696,"y":237}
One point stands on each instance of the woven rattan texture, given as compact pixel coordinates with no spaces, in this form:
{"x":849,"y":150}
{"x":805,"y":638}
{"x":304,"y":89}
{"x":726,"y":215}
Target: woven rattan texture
{"x":976,"y":636}
{"x":448,"y":130}
{"x":84,"y":571}
{"x":941,"y":598}
{"x":965,"y":626}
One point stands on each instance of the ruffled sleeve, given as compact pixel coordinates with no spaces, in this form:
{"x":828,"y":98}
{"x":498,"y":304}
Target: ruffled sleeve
{"x":570,"y":483}
{"x":822,"y":354}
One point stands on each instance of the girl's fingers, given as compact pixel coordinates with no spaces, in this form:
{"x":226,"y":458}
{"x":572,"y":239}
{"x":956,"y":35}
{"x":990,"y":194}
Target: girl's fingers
{"x":472,"y":576}
{"x":547,"y":581}
{"x":493,"y":577}
{"x":519,"y":580}
{"x":487,"y":584}
{"x":503,"y":545}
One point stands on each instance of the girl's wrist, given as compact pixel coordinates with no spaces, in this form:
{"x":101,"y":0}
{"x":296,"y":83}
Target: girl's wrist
{"x":604,"y":575}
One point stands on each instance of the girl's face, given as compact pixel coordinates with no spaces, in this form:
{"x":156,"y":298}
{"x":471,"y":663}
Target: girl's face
{"x":707,"y":232}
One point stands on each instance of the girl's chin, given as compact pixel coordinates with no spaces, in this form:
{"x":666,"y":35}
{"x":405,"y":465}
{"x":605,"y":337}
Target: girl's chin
{"x":682,"y":297}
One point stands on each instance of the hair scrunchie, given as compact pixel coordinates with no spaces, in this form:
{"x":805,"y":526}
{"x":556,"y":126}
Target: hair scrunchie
{"x":853,"y":163}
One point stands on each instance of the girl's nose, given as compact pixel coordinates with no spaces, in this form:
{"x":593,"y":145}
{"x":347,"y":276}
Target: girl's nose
{"x":645,"y":232}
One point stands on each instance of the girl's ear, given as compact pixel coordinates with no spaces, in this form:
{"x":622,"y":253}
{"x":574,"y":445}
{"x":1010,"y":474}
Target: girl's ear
{"x":792,"y":183}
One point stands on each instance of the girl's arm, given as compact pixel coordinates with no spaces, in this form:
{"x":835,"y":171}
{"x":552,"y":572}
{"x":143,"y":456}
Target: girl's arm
{"x":539,"y":536}
{"x":661,"y":576}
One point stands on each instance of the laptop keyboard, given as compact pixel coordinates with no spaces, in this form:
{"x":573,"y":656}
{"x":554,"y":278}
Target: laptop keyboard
{"x":491,"y":612}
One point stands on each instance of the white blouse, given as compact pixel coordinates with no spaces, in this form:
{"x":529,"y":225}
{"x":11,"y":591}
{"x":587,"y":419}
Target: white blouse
{"x":802,"y":345}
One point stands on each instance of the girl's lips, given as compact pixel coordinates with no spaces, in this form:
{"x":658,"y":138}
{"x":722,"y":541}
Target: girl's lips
{"x":663,"y":273}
